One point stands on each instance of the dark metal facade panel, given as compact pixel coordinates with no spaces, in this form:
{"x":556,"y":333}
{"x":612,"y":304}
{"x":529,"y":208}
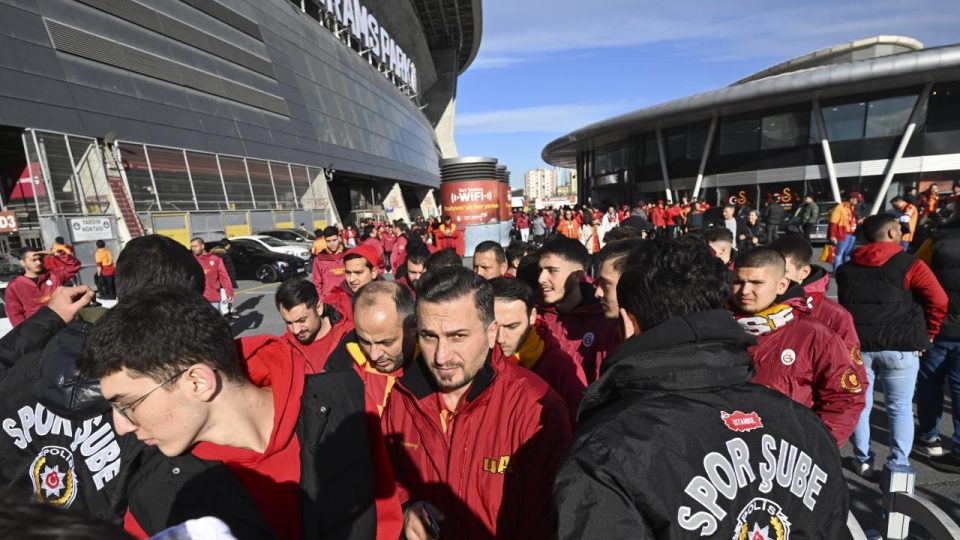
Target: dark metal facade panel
{"x":84,"y":44}
{"x":160,"y":23}
{"x":224,"y":14}
{"x":341,"y":110}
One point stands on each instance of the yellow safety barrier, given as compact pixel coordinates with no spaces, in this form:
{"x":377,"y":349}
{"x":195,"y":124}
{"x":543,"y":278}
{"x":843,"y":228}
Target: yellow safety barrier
{"x":180,"y":233}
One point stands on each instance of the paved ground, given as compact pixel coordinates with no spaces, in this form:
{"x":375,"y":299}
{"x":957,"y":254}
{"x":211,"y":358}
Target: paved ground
{"x":258,"y":316}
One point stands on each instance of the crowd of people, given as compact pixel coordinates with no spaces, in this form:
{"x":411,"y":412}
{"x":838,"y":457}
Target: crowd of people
{"x":598,"y":380}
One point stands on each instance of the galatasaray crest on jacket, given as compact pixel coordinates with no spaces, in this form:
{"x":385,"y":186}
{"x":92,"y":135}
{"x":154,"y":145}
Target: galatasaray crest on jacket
{"x":53,"y":477}
{"x":762,"y":519}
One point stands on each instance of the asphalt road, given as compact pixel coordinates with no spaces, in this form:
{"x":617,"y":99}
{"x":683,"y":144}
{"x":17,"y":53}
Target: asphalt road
{"x":255,"y":303}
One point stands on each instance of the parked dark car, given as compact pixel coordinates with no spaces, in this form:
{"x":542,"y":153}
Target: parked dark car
{"x":290,"y":235}
{"x":253,"y":261}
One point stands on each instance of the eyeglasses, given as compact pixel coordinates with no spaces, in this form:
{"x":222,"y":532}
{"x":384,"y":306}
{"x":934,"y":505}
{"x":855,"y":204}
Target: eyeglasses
{"x":126,"y":410}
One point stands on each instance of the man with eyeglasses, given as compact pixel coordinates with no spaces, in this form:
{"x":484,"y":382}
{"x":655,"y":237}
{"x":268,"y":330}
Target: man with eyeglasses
{"x":59,"y":445}
{"x":177,"y":380}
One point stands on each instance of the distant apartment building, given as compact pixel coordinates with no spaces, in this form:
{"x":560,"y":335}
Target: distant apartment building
{"x":540,"y":183}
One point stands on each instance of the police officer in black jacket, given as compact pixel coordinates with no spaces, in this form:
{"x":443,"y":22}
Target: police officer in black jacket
{"x":674,"y":441}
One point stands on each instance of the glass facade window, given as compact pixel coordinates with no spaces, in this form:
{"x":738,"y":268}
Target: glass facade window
{"x":138,"y":177}
{"x":888,"y":117}
{"x":675,"y":143}
{"x":651,"y":153}
{"x":739,"y":135}
{"x":170,"y":175}
{"x":206,"y":181}
{"x":281,"y":180}
{"x":60,"y":168}
{"x":845,"y":122}
{"x":235,"y":179}
{"x":697,"y":139}
{"x":943,"y":111}
{"x":783,"y":130}
{"x":814,"y":128}
{"x":301,"y":184}
{"x":263,"y":185}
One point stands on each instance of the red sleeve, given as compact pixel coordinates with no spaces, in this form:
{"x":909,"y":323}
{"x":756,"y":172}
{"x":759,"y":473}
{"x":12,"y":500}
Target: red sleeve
{"x":224,"y":278}
{"x":835,"y":232}
{"x":131,"y":527}
{"x":838,"y":394}
{"x":14,"y":304}
{"x":924,"y":285}
{"x":317,"y":276}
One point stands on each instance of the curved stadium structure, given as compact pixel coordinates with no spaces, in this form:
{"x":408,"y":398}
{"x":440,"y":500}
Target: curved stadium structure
{"x":877,"y":115}
{"x":206,"y":117}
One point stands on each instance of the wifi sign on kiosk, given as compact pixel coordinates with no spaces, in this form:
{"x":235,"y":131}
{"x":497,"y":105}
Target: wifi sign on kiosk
{"x":8,"y":222}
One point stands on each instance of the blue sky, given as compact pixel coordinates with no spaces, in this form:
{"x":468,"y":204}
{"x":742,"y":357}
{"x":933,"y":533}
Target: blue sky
{"x":547,"y":67}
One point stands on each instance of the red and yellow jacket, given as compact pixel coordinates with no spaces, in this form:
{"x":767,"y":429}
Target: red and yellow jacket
{"x":328,"y":271}
{"x":583,"y":333}
{"x":541,"y":353}
{"x":801,"y":358}
{"x":215,"y":277}
{"x":843,"y":221}
{"x":25,"y":296}
{"x":490,"y":468}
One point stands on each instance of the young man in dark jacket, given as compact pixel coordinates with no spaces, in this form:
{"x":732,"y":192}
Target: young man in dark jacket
{"x":169,"y":367}
{"x":569,"y":310}
{"x":898,"y":307}
{"x":942,"y":361}
{"x":675,"y":442}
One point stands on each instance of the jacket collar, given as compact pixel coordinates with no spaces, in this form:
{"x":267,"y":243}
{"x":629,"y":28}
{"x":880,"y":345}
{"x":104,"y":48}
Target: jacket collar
{"x":699,"y":350}
{"x":419,"y":381}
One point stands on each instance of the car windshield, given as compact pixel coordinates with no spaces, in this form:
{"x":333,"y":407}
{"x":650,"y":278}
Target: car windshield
{"x":244,"y":244}
{"x":272,"y":242}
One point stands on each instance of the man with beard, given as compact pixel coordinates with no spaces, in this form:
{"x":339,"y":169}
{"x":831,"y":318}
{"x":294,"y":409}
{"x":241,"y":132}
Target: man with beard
{"x":475,"y":440}
{"x":383,"y":340}
{"x":414,"y":266}
{"x":214,"y":272}
{"x":312,"y":326}
{"x":30,"y":291}
{"x":530,"y":346}
{"x":674,"y":442}
{"x":570,"y":311}
{"x":795,"y":353}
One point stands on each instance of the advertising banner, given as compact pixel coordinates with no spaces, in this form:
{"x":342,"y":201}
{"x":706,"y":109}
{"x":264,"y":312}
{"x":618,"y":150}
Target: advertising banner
{"x":471,"y":202}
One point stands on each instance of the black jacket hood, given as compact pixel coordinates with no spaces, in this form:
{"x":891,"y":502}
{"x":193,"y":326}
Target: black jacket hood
{"x":60,"y":386}
{"x":701,"y":350}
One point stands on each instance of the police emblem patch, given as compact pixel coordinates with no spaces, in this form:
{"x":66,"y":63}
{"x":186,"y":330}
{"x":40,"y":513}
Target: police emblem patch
{"x":762,"y":519}
{"x":53,"y":476}
{"x":850,"y":382}
{"x":788,"y":357}
{"x":588,"y":339}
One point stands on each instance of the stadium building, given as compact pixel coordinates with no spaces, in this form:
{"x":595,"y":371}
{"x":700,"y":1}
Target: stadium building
{"x":211,"y":118}
{"x":878,"y":116}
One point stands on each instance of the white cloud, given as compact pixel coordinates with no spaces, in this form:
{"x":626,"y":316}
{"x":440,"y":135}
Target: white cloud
{"x":543,"y":119}
{"x":521,"y":31}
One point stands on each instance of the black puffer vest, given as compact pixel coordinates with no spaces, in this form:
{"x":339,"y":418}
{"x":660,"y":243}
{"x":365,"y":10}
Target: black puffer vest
{"x":885,"y":314}
{"x":946,"y":266}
